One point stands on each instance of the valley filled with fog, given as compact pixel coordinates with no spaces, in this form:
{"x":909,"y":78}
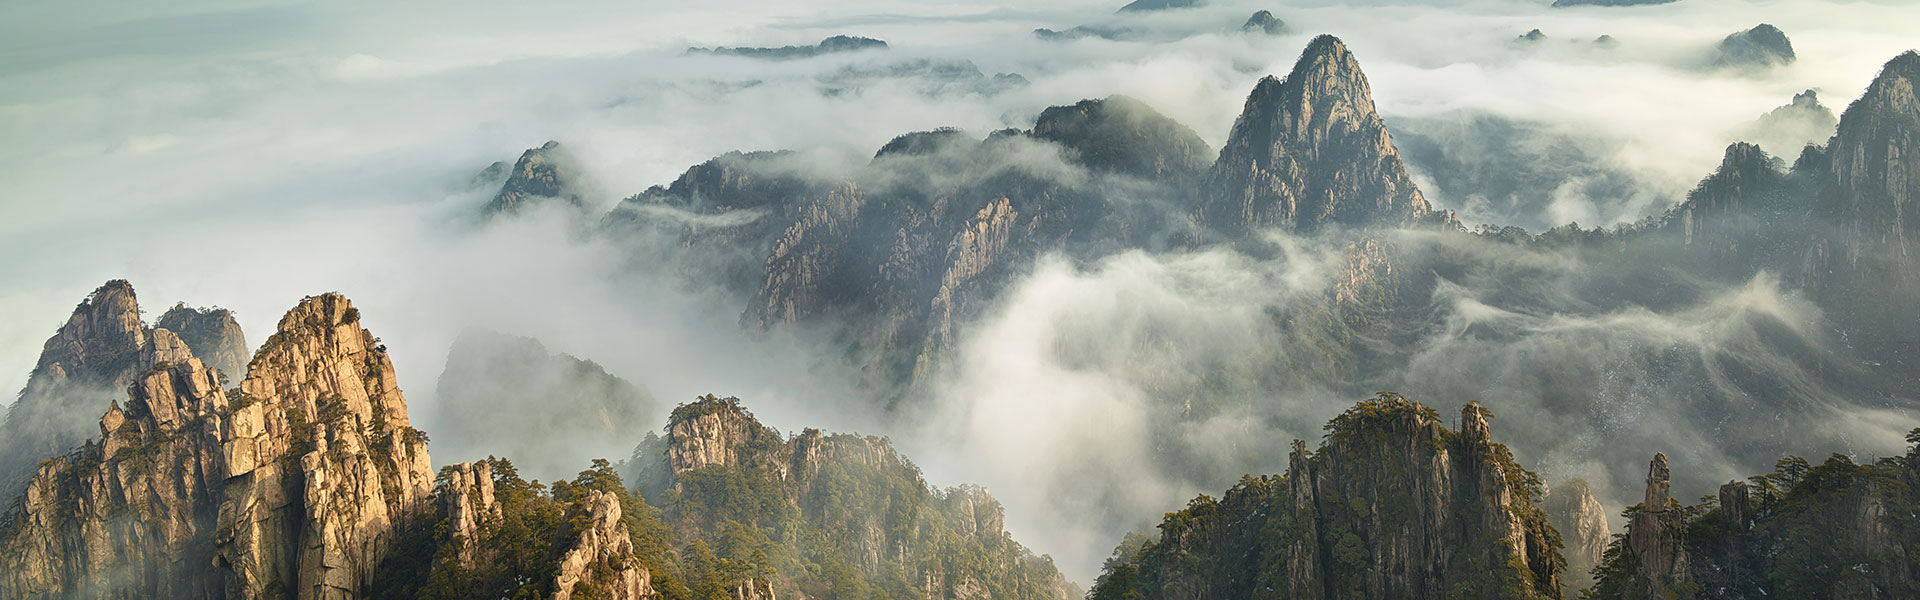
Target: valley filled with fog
{"x":247,"y":156}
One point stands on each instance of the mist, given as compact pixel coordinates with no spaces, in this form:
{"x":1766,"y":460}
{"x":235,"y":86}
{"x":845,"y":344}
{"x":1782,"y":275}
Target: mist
{"x":246,"y":155}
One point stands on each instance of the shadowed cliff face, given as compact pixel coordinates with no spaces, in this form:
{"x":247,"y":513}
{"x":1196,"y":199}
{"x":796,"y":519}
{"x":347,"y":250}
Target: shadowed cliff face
{"x":1837,"y":529}
{"x":1310,"y":152}
{"x":290,"y":487}
{"x":1584,"y":532}
{"x":916,"y":242}
{"x":1392,"y":505}
{"x":214,"y":337}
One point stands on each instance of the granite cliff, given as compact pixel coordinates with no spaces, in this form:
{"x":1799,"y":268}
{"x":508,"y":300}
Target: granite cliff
{"x":1310,"y":152}
{"x":287,"y":486}
{"x":1839,"y":529}
{"x":1392,"y":505}
{"x":831,"y":515}
{"x":101,"y":349}
{"x":541,"y":174}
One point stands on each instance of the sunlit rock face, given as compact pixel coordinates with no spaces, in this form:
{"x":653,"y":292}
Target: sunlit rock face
{"x":88,"y":364}
{"x":288,"y":488}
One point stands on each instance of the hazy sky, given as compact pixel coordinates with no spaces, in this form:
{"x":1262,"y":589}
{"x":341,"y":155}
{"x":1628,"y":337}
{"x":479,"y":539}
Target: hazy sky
{"x":248,"y":154}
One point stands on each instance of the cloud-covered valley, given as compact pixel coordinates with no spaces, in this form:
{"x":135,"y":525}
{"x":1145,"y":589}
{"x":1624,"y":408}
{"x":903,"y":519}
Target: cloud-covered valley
{"x":249,"y":155}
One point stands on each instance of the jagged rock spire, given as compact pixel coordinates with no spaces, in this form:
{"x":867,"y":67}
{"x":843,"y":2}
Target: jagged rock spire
{"x":83,"y":367}
{"x":292,"y":489}
{"x":1653,"y":533}
{"x":1309,"y":152}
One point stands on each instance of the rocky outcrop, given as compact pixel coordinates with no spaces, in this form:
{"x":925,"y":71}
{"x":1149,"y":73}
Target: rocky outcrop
{"x":1761,"y":47}
{"x":1531,"y":36}
{"x":497,"y":387}
{"x":1124,"y":136}
{"x":544,"y":173}
{"x":87,"y":364}
{"x":1802,"y":531}
{"x":601,"y":563}
{"x":467,"y":502}
{"x":289,"y":489}
{"x":132,"y":515}
{"x":856,"y":491}
{"x":1729,"y":217}
{"x":1654,"y":536}
{"x":320,"y":460}
{"x":1265,"y":23}
{"x":213,"y":335}
{"x":1798,"y":124}
{"x":1582,"y":522}
{"x":1310,"y":152}
{"x":716,"y":431}
{"x":1876,"y":162}
{"x":1393,"y":505}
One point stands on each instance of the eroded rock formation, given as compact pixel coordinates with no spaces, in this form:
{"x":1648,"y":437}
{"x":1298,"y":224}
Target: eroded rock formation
{"x":287,"y":489}
{"x":1310,"y":152}
{"x":88,"y":364}
{"x":601,"y":563}
{"x":547,"y":172}
{"x":213,"y":335}
{"x":1584,"y":533}
{"x":1393,"y":505}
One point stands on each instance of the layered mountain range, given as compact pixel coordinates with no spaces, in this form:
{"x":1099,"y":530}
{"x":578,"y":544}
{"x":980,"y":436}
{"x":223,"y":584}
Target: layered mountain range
{"x":898,"y":257}
{"x":308,"y":480}
{"x":146,"y":472}
{"x":1746,"y":317}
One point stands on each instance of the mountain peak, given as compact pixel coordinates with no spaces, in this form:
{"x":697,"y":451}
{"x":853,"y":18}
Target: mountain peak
{"x":1310,"y":151}
{"x":544,"y":172}
{"x":1876,"y":159}
{"x":1122,"y":134}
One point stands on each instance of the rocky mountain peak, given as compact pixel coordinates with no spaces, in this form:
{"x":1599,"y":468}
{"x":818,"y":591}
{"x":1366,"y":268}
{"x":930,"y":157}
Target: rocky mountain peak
{"x":543,"y":172}
{"x":105,"y":330}
{"x":601,"y":563}
{"x":1653,"y":534}
{"x":214,"y":336}
{"x":1393,"y":505}
{"x":1124,"y":135}
{"x":1876,"y":161}
{"x":292,"y":488}
{"x":83,"y":367}
{"x":1310,"y":151}
{"x":1264,"y":22}
{"x":1762,"y":46}
{"x":718,"y":431}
